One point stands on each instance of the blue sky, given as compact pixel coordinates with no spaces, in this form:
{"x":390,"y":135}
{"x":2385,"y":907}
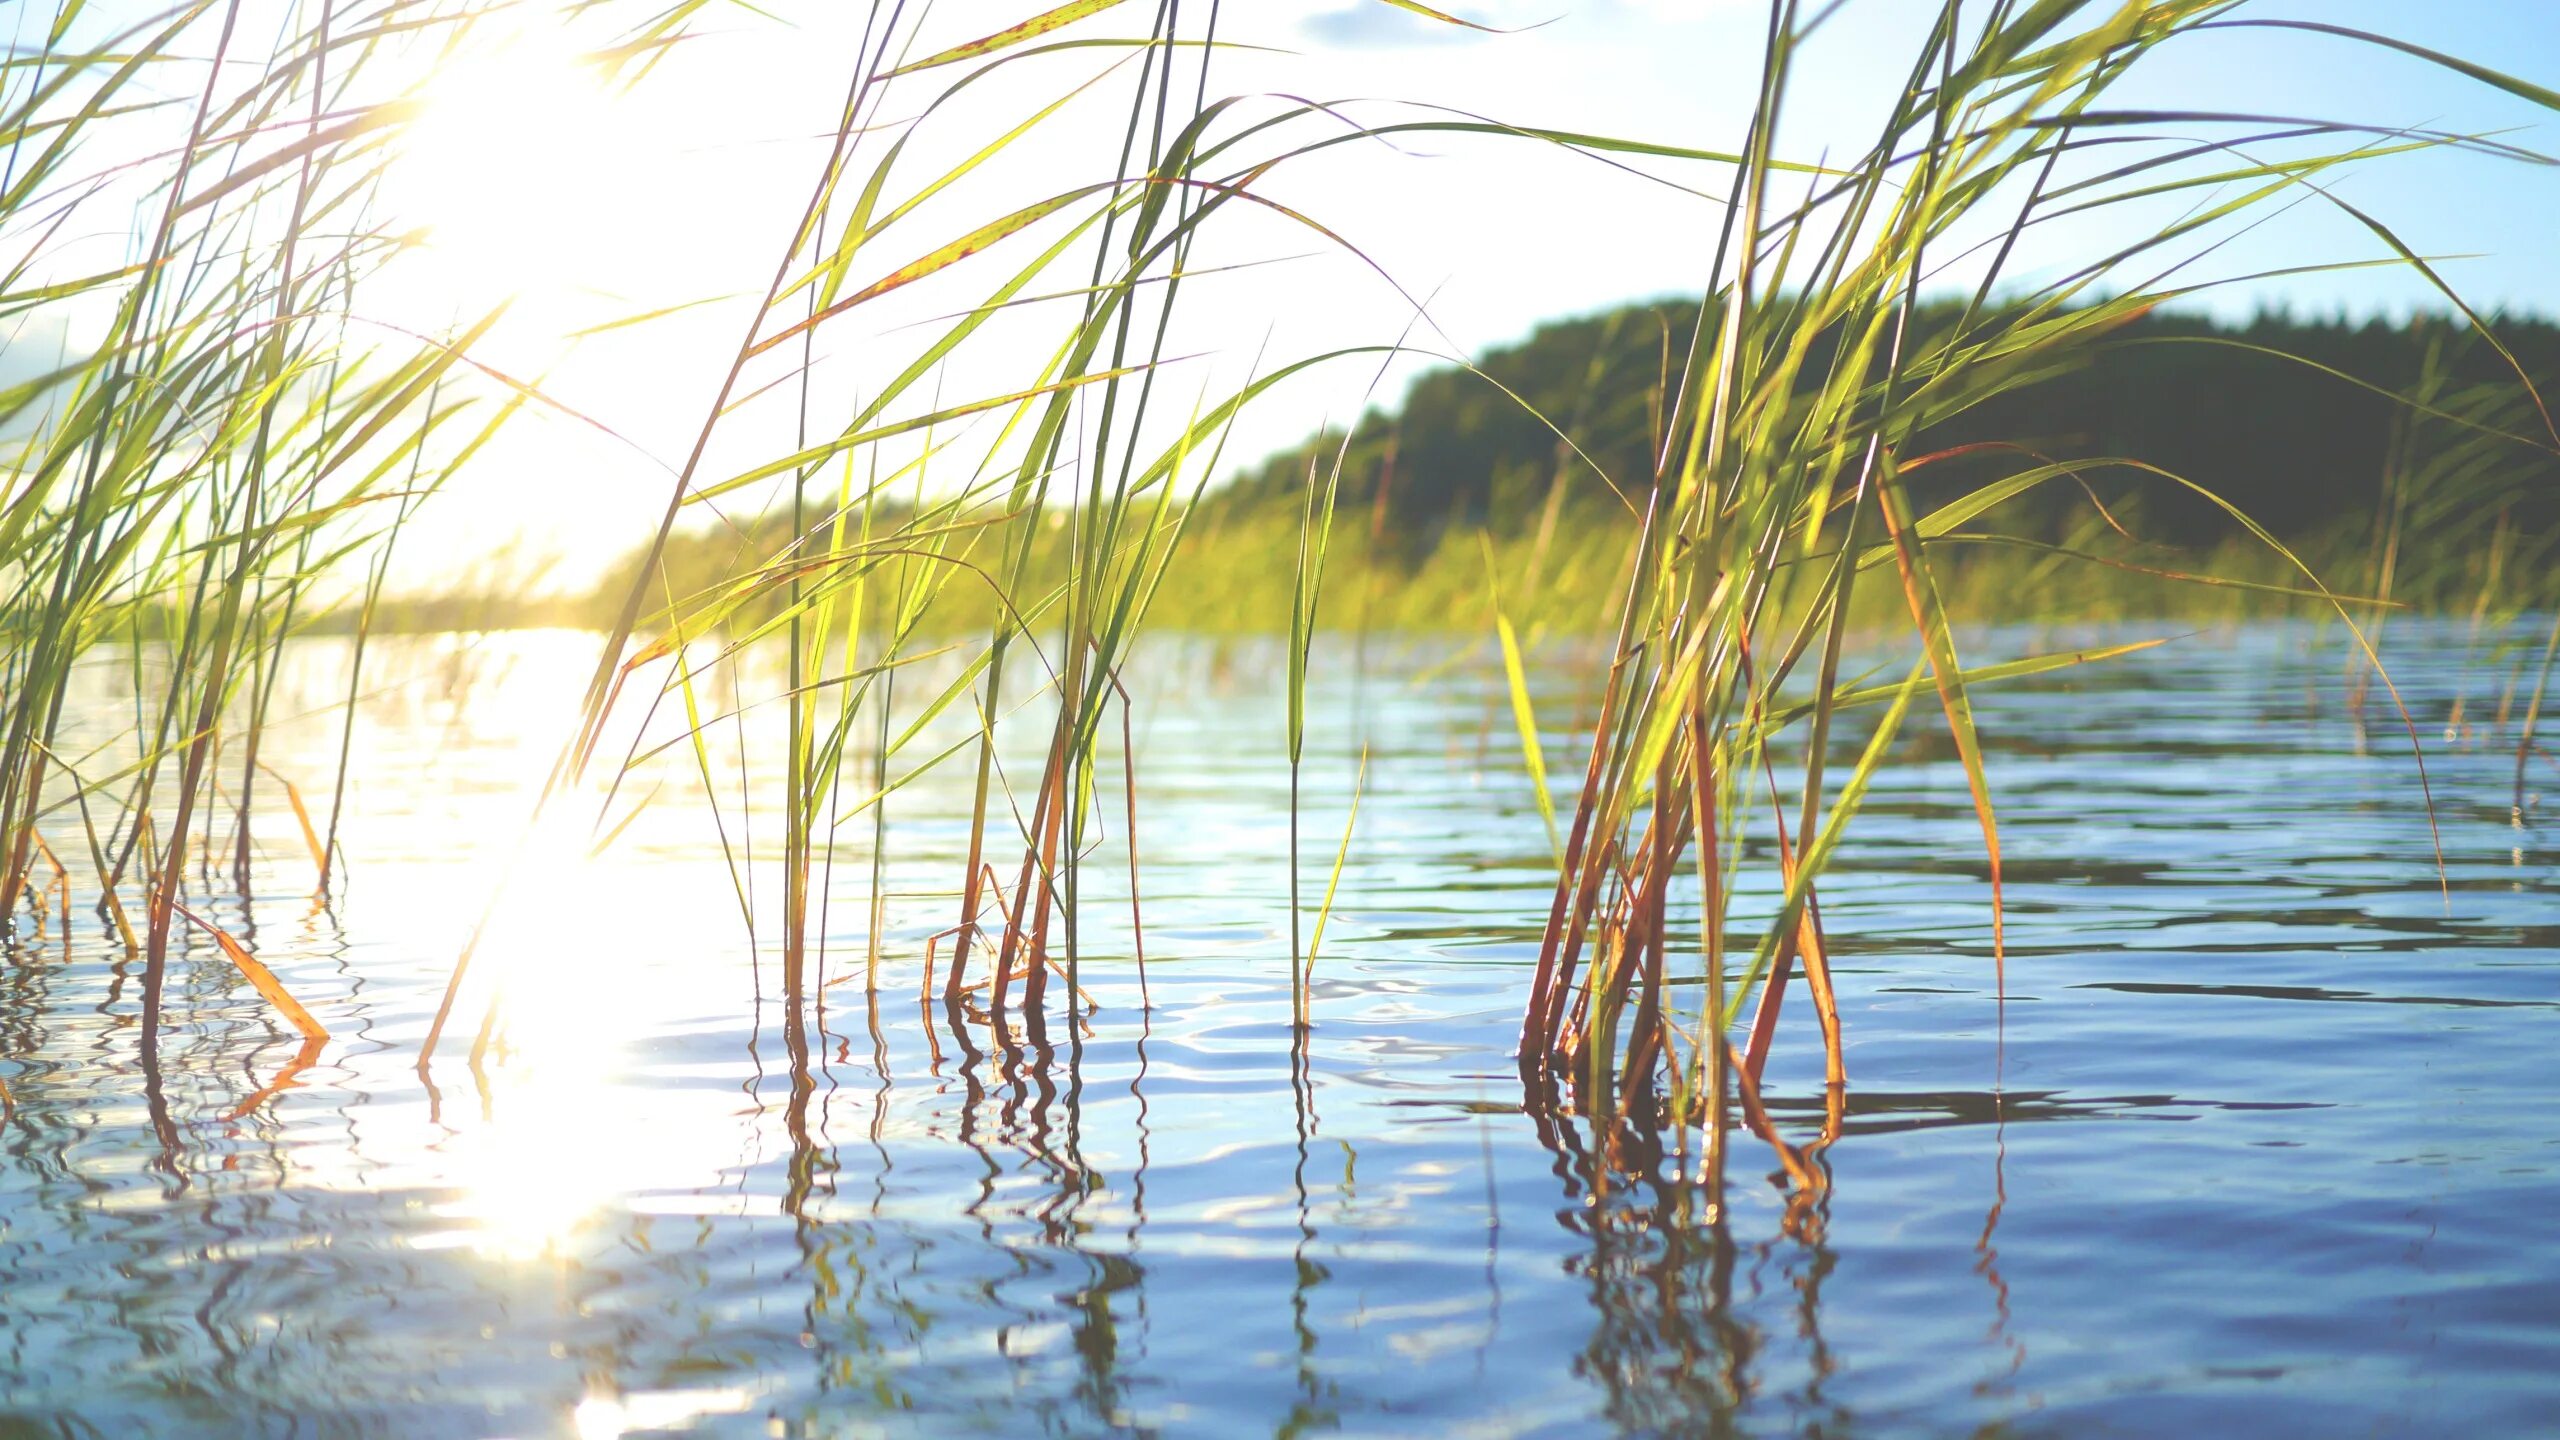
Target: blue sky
{"x":1682,"y":71}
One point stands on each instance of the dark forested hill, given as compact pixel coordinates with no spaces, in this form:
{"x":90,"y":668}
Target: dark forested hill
{"x":2297,"y":443}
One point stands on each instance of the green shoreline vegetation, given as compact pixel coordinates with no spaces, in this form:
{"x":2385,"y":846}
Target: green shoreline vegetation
{"x":2300,"y":424}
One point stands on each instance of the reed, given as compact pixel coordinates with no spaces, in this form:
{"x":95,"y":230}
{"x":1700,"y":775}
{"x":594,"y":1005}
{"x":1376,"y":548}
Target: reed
{"x":1055,"y":506}
{"x":1315,"y":539}
{"x":179,"y":488}
{"x":1789,"y":475}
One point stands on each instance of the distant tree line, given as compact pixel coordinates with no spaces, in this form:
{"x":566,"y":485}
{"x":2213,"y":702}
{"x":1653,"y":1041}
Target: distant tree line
{"x":2398,"y":460}
{"x":2296,"y":443}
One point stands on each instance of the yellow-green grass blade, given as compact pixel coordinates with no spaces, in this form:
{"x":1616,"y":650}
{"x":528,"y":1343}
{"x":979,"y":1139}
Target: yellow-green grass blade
{"x":1038,"y":25}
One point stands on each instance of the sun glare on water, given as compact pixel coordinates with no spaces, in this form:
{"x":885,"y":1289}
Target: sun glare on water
{"x":607,"y":1417}
{"x":566,"y":1134}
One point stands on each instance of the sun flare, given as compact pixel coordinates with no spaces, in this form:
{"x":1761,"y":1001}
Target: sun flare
{"x":509,"y":172}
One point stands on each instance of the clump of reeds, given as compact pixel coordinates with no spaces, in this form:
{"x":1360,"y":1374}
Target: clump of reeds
{"x":1056,"y":503}
{"x":1786,"y":478}
{"x":224,"y":435}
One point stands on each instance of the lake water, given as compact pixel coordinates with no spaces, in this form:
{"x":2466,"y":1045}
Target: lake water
{"x":2265,"y":1144}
